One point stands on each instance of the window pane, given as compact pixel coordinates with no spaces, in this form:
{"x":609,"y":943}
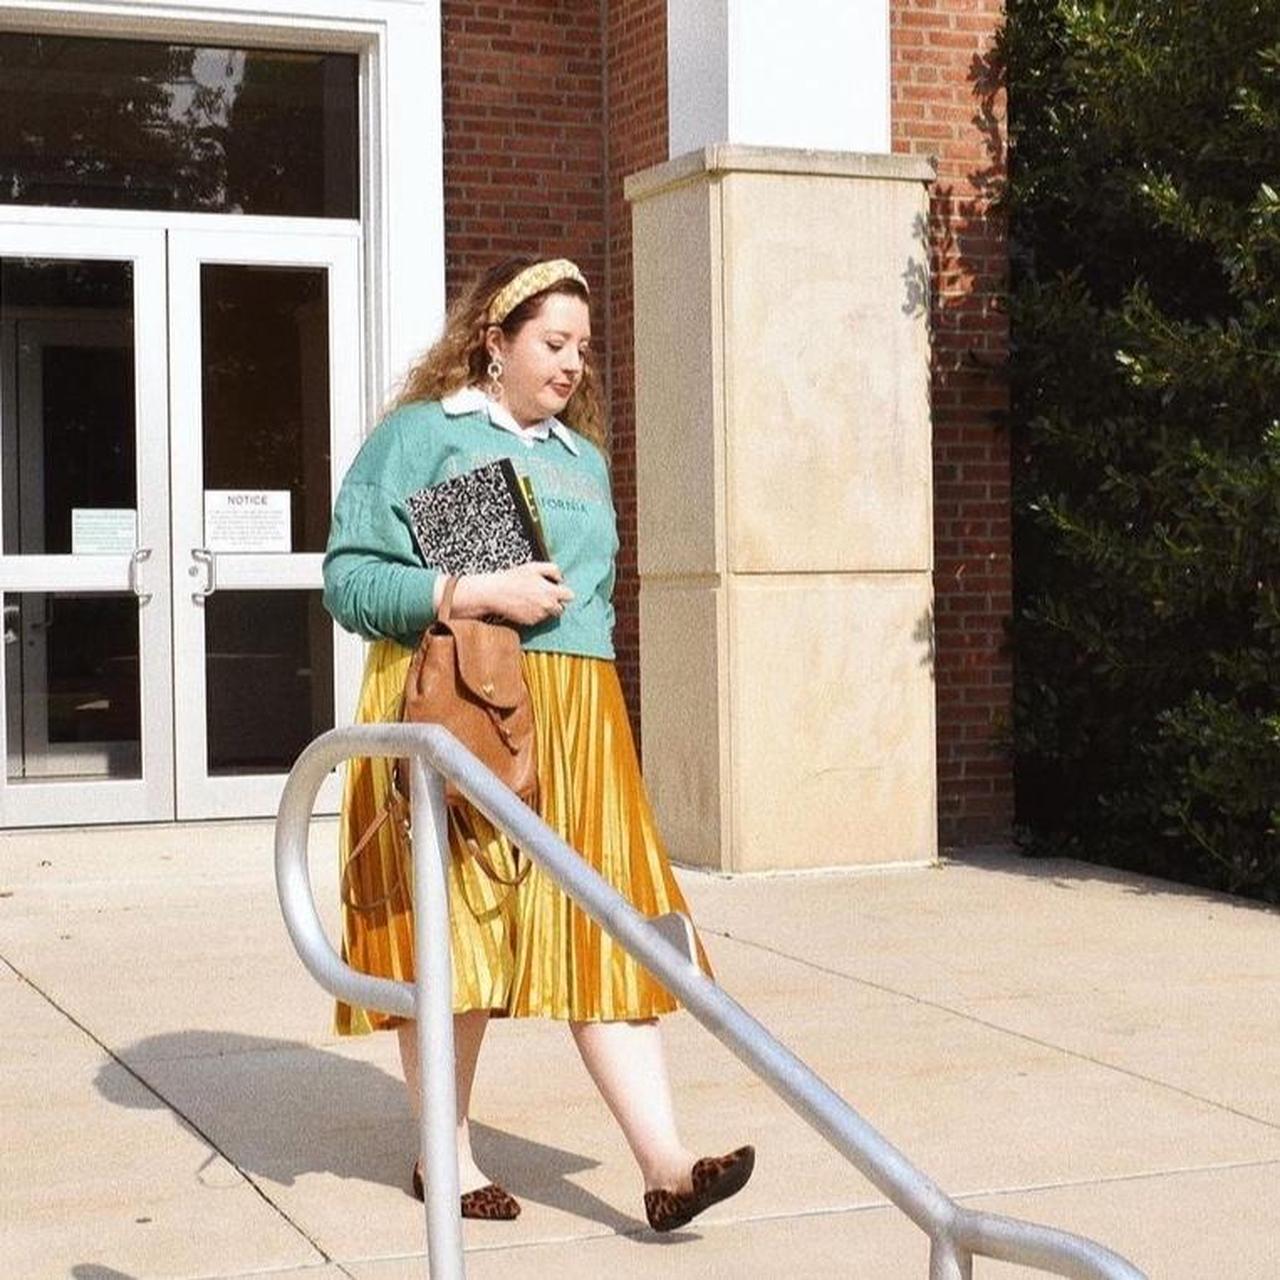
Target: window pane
{"x":67,"y":430}
{"x":264,"y":350}
{"x":128,"y":124}
{"x":269,"y":678}
{"x":72,"y":693}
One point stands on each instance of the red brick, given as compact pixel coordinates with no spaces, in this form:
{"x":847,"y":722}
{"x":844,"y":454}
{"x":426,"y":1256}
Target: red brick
{"x":544,"y":64}
{"x":968,"y":41}
{"x":971,"y":506}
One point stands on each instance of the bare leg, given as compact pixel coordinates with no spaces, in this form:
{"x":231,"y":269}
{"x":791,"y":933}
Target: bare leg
{"x":626,"y":1061}
{"x":468,"y":1032}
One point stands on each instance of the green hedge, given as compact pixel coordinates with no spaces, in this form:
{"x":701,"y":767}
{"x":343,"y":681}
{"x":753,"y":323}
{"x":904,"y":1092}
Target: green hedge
{"x":1144,"y":227}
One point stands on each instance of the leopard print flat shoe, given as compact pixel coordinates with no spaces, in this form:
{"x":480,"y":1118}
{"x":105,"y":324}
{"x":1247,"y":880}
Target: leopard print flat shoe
{"x":714,"y":1178}
{"x":489,"y":1203}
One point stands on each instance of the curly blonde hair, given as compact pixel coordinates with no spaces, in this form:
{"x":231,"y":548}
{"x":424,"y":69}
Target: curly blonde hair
{"x":459,"y":358}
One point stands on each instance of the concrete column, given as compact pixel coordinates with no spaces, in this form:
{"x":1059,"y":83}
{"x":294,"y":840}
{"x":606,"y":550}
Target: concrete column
{"x":783,"y":477}
{"x":778,"y":73}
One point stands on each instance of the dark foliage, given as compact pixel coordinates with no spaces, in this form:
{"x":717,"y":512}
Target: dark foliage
{"x":1145,"y":381}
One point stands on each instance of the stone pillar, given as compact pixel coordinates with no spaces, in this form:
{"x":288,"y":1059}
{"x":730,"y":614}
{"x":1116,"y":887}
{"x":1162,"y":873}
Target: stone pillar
{"x":783,"y":474}
{"x":778,"y":73}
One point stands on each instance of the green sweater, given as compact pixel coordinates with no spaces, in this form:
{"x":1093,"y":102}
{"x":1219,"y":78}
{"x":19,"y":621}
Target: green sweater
{"x":374,"y":580}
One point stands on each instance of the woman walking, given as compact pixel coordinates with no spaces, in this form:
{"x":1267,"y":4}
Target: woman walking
{"x":511,"y":377}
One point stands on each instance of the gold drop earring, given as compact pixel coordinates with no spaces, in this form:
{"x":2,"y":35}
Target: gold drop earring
{"x":494,"y":389}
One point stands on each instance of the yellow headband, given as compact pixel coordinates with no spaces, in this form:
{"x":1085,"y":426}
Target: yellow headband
{"x":534,"y":279}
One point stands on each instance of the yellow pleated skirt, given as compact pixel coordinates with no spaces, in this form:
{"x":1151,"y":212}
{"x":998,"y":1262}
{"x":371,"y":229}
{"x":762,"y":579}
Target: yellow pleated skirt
{"x":528,"y":950}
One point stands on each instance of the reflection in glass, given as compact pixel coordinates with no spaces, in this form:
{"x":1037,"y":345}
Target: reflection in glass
{"x":268,"y":678}
{"x":264,"y":349}
{"x":67,"y":427}
{"x":130,"y":124}
{"x":73,"y":701}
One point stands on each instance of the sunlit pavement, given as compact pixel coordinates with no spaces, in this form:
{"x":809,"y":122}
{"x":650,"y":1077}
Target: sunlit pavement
{"x":1046,"y":1039}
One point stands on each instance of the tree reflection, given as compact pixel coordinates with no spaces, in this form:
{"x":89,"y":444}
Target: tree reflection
{"x":132,"y":124}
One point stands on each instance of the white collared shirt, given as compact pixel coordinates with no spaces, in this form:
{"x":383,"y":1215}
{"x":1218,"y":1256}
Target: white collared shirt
{"x":474,"y":400}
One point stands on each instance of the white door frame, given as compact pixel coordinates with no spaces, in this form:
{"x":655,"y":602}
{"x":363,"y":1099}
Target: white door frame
{"x":336,"y":250}
{"x":401,"y":194}
{"x":169,"y":459}
{"x":49,"y":801}
{"x":401,"y":131}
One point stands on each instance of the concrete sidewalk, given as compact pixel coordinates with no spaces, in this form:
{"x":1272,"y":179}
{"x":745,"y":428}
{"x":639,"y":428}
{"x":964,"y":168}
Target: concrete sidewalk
{"x":1049,"y":1040}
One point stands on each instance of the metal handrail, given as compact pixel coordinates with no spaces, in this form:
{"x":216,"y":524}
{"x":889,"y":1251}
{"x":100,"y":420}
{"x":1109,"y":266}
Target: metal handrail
{"x":664,"y":947}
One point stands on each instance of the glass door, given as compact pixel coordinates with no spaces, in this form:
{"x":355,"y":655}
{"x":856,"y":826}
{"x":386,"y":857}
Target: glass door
{"x":265,"y":410}
{"x":86,"y":660}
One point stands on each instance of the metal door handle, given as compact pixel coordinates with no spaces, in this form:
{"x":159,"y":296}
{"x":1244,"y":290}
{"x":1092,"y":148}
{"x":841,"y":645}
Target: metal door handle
{"x":202,"y":555}
{"x":45,"y":621}
{"x":135,"y":576}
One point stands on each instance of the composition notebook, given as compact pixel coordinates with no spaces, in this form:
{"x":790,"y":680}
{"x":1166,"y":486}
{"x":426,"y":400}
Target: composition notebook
{"x":482,"y":521}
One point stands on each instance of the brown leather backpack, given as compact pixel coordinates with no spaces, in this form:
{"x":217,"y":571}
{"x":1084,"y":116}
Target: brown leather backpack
{"x":466,"y":676}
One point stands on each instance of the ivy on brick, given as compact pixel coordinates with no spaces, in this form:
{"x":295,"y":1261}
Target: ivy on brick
{"x":1145,"y":416}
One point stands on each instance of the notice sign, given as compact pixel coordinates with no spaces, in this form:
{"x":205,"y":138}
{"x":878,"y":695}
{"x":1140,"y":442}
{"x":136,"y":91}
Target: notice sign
{"x":103,"y":531}
{"x":247,"y":520}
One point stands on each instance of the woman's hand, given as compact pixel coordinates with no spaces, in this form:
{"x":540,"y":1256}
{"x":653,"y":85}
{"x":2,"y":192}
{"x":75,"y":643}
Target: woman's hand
{"x":526,"y":594}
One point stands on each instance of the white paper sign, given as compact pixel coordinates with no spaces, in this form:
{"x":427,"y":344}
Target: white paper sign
{"x":247,"y":520}
{"x":103,"y":531}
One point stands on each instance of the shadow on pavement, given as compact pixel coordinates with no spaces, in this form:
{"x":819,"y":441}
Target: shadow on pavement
{"x":1070,"y":873}
{"x":278,"y":1109}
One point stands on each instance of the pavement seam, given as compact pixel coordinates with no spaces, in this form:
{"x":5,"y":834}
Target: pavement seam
{"x":880,"y":1206}
{"x":1175,"y":1171}
{"x":992,"y":1026}
{"x":175,"y":1111}
{"x":287,"y":1269}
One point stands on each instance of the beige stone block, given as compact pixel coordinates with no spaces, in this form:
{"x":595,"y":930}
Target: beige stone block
{"x":826,"y":374}
{"x":831,"y":707}
{"x":782,"y":367}
{"x":679,"y":423}
{"x":733,"y":157}
{"x":683,"y":707}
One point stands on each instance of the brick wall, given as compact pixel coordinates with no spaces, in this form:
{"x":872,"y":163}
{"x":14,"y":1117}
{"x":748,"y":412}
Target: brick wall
{"x":528,"y":167}
{"x":637,"y":107}
{"x":945,"y":103}
{"x":549,"y":104}
{"x":524,"y":146}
